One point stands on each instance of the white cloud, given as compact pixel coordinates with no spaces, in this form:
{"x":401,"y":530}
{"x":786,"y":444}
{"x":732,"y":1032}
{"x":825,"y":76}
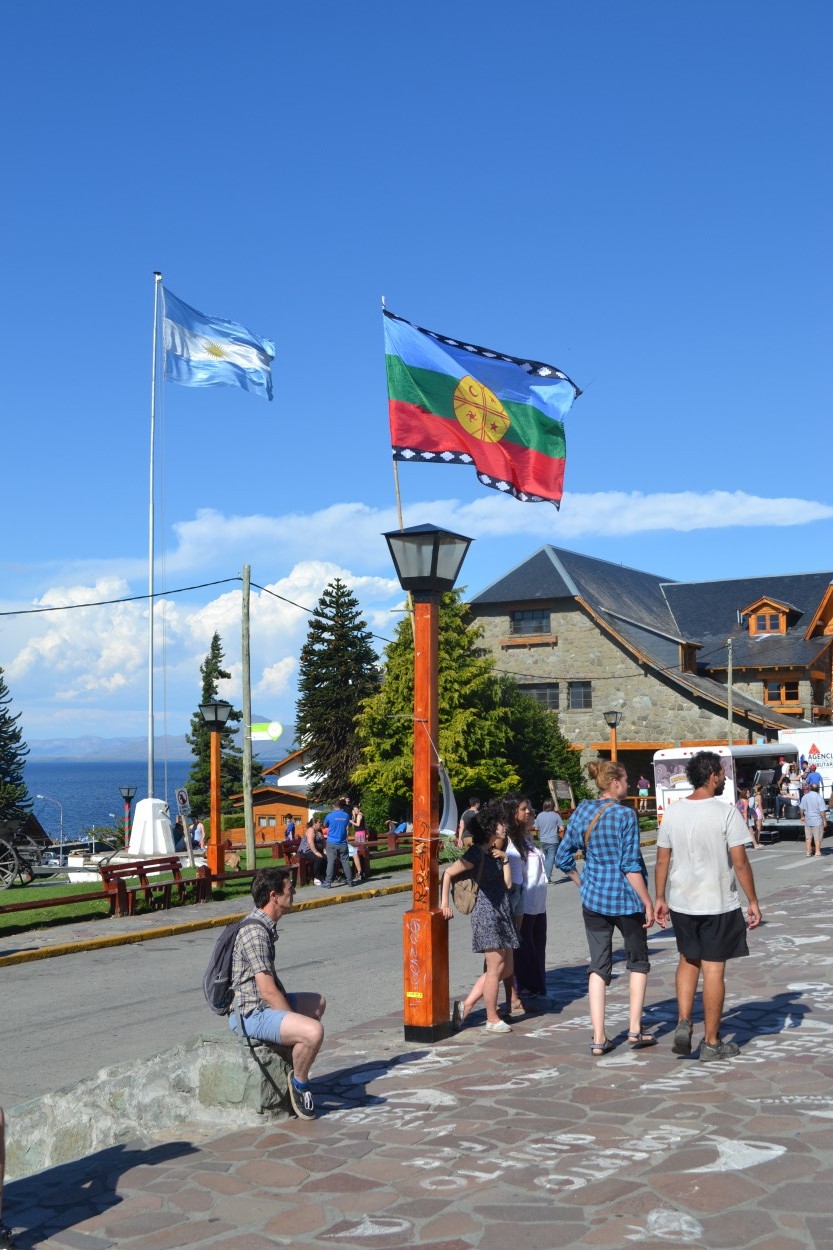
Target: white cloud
{"x":91,"y":661}
{"x":274,"y":680}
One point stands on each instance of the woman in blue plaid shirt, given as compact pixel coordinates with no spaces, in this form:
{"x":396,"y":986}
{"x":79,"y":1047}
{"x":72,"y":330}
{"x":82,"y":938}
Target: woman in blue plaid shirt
{"x":614,"y":895}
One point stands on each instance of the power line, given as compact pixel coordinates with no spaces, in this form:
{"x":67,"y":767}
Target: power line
{"x":104,"y":603}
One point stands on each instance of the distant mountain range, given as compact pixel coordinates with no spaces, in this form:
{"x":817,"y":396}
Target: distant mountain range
{"x":102,"y":750}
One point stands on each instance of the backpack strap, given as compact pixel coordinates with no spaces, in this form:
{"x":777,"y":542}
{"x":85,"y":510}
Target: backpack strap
{"x":243,"y":1038}
{"x":604,"y":807}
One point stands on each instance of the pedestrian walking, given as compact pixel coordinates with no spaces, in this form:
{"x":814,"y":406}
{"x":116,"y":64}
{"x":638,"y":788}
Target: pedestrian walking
{"x":701,"y":858}
{"x":550,"y":828}
{"x":814,"y":819}
{"x":614,"y":895}
{"x":492,"y":927}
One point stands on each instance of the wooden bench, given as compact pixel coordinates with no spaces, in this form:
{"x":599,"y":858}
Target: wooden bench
{"x":157,"y":893}
{"x":63,"y":900}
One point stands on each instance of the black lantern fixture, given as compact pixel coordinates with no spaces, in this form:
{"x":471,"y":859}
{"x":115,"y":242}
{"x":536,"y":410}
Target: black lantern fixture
{"x":216,"y":713}
{"x":427,"y":559}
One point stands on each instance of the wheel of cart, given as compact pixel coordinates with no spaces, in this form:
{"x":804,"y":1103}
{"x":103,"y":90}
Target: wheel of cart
{"x":9,"y":864}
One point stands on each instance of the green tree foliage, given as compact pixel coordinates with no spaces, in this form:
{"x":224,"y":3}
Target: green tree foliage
{"x":493,"y":738}
{"x":338,"y":669}
{"x":537,"y":746}
{"x":199,"y":740}
{"x":474,"y":728}
{"x":15,"y":803}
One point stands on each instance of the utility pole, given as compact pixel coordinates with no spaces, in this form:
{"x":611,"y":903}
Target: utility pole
{"x":248,"y":813}
{"x":730,"y":737}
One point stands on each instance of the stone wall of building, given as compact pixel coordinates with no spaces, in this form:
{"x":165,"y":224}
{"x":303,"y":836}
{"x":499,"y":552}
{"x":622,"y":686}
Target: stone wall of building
{"x":654,"y":711}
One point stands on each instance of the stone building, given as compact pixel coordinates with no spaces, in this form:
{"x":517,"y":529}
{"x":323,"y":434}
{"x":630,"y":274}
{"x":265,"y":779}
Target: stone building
{"x":585,"y":637}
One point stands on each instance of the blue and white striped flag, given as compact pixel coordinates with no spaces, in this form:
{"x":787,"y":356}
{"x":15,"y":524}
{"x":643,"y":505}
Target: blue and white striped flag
{"x":208,"y":351}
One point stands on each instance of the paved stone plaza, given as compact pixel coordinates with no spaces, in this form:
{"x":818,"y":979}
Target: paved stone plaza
{"x":515,"y":1141}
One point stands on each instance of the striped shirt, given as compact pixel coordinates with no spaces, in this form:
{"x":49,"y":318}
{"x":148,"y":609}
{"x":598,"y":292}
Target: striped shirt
{"x":613,"y":851}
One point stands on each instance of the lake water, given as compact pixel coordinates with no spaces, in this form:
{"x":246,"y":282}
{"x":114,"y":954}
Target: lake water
{"x":89,"y":792}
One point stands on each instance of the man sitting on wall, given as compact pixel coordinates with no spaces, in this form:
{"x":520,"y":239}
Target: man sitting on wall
{"x":262,"y":1007}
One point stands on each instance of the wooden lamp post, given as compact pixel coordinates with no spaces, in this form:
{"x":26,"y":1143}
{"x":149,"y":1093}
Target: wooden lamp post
{"x":427,"y":562}
{"x":215,"y":715}
{"x":612,"y":720}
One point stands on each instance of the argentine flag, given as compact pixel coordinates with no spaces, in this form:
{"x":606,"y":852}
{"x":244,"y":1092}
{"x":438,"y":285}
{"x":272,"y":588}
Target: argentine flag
{"x":208,"y":351}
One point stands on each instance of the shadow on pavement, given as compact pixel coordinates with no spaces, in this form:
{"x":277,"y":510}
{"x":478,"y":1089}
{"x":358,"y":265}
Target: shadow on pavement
{"x":61,"y":1197}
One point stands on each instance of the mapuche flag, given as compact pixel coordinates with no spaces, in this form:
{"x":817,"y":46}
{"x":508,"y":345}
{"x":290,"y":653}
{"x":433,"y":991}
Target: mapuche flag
{"x":451,"y":402}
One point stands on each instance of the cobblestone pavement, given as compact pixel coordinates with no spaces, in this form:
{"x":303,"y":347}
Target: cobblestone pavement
{"x":522,"y":1140}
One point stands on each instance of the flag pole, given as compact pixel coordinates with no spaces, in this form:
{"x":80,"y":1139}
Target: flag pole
{"x":410,"y":598}
{"x":157,"y":295}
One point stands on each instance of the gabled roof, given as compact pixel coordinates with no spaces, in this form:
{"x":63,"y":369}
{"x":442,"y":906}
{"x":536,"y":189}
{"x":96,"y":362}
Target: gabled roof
{"x":652,"y":616}
{"x":555,"y":573}
{"x":293,"y":755}
{"x":768,"y":601}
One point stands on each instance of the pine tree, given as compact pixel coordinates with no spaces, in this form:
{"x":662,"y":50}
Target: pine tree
{"x":337,"y":671}
{"x":15,"y":803}
{"x":474,"y":726}
{"x":199,"y":739}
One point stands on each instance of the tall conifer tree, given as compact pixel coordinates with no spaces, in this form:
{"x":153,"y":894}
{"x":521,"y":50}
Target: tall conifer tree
{"x":337,"y":671}
{"x":15,"y":803}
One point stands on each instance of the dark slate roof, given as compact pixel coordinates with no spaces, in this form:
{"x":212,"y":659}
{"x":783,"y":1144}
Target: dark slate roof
{"x":555,"y":573}
{"x":702,"y":609}
{"x":764,"y":651}
{"x":539,"y":577}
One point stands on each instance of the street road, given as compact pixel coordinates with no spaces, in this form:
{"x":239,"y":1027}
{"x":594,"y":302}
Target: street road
{"x":65,"y":1018}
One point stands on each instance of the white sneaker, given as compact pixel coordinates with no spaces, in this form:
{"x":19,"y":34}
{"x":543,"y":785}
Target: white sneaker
{"x":498,"y":1026}
{"x":317,"y":881}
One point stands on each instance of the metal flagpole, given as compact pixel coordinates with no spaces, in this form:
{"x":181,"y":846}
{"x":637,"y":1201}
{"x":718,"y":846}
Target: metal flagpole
{"x":409,"y":596}
{"x":157,"y":293}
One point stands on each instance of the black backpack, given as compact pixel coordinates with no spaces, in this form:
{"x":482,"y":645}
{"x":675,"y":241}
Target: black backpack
{"x":216,"y":983}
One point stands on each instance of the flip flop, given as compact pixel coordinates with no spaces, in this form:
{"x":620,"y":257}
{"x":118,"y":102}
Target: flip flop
{"x":601,"y":1048}
{"x":641,"y":1041}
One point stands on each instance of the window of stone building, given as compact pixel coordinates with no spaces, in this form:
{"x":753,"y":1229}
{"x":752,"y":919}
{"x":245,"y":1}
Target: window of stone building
{"x":543,"y":692}
{"x":579,"y":695}
{"x":781,"y":691}
{"x":529,"y":621}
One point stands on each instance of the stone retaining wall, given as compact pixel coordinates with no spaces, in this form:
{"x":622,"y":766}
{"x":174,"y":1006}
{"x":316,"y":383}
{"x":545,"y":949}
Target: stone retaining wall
{"x":203,"y":1080}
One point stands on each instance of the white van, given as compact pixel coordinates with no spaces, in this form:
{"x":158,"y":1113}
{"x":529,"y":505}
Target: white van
{"x":751,"y":765}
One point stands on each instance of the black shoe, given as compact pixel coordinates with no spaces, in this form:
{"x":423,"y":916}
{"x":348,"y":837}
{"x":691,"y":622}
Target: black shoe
{"x":7,"y":1242}
{"x":682,"y":1038}
{"x":302,"y":1101}
{"x":720,"y":1050}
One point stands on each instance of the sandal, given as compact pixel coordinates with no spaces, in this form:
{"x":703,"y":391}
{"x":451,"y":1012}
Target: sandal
{"x":640,"y":1041}
{"x":601,"y":1048}
{"x":459,"y":1013}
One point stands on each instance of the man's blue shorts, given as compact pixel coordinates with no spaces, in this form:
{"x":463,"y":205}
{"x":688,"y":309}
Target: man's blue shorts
{"x":264,"y":1025}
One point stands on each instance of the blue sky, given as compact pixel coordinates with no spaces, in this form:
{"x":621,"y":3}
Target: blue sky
{"x":637,"y":193}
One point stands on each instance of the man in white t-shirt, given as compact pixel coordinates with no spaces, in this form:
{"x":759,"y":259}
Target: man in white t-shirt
{"x":701,"y":857}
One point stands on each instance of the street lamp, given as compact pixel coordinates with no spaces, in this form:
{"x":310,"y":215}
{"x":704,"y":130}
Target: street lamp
{"x":612,"y":720}
{"x":215,"y":714}
{"x":60,"y":806}
{"x":427,"y":562}
{"x":127,"y":793}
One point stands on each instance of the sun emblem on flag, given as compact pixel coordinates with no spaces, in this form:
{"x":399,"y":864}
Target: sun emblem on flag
{"x":479,"y":411}
{"x":215,"y":349}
